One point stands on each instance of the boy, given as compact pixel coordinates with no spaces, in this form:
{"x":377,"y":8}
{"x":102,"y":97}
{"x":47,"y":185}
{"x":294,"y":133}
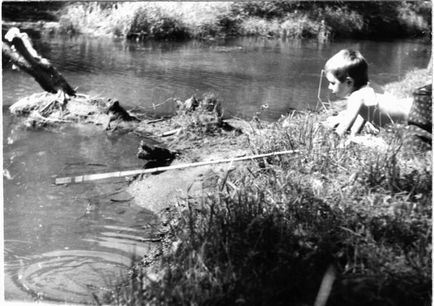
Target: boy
{"x":347,"y":73}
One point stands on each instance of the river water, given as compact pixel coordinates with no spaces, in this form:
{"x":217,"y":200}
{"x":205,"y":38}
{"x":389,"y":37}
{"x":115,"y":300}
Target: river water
{"x":65,"y":243}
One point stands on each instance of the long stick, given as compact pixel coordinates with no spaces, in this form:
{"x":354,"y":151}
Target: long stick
{"x":100,"y":176}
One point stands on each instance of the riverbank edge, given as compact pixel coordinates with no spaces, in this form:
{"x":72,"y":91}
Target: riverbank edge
{"x":401,"y":89}
{"x":195,"y":184}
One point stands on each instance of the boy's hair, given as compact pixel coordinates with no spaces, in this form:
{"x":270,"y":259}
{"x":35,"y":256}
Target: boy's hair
{"x":349,"y":63}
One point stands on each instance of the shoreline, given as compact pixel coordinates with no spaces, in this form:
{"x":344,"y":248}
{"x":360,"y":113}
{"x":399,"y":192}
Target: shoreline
{"x":194,"y":188}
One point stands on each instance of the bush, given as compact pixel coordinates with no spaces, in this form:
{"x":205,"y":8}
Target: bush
{"x":345,"y":19}
{"x":228,"y":25}
{"x":31,"y":11}
{"x":97,"y":18}
{"x":255,"y":26}
{"x":166,"y":27}
{"x":179,"y":20}
{"x":299,"y":27}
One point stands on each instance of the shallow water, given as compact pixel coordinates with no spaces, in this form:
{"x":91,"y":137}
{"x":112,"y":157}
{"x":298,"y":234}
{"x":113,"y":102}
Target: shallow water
{"x":64,"y":243}
{"x":55,"y":233}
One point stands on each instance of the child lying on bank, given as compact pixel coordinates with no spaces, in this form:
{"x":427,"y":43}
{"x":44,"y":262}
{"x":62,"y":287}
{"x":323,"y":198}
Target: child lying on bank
{"x":347,"y":74}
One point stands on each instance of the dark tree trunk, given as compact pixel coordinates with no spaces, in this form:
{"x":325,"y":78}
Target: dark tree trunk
{"x":18,"y":49}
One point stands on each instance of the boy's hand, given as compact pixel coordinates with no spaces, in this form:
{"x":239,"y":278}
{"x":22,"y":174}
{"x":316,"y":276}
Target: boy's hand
{"x":371,"y":129}
{"x":331,"y":122}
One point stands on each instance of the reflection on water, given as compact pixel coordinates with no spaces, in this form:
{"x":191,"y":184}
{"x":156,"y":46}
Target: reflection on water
{"x":67,"y":242}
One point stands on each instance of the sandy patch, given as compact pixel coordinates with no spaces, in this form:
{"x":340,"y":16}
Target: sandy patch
{"x":158,"y":191}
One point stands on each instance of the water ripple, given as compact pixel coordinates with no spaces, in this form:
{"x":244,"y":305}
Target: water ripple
{"x":73,"y":276}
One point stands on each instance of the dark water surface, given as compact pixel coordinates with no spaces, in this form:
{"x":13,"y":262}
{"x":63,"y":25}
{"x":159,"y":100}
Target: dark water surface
{"x":66,"y":242}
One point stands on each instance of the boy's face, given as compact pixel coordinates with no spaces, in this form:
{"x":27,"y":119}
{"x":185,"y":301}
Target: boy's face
{"x":340,"y":89}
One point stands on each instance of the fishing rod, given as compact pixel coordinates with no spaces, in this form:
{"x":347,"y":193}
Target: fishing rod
{"x":100,"y":176}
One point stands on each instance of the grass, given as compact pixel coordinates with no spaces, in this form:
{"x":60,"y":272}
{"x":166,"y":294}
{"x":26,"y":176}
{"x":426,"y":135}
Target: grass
{"x":99,"y":19}
{"x":209,"y":20}
{"x":341,"y":19}
{"x":158,"y":20}
{"x":268,"y":231}
{"x":412,"y":80}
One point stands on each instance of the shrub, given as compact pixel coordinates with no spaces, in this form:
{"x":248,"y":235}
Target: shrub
{"x":97,"y":18}
{"x":344,"y":22}
{"x":299,"y":27}
{"x":228,"y":25}
{"x":301,"y":19}
{"x":255,"y":26}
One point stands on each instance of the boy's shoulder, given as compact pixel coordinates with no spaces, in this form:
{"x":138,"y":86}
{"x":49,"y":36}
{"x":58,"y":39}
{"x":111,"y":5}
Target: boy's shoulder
{"x":365,"y":93}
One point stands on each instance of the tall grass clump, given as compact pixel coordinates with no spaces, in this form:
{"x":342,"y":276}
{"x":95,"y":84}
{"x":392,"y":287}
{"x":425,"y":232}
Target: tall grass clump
{"x":188,"y":19}
{"x":375,"y":19}
{"x":293,"y":19}
{"x":254,"y":26}
{"x":199,"y":117}
{"x":157,"y":20}
{"x":98,"y":18}
{"x":152,"y":23}
{"x":268,"y":232}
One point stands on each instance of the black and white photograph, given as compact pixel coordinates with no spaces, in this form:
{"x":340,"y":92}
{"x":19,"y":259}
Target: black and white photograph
{"x":217,"y":153}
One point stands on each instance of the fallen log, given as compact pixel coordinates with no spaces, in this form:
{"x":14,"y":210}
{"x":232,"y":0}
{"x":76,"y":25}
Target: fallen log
{"x":18,"y":49}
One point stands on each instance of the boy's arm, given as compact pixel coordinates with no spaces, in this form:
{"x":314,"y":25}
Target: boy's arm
{"x":358,"y":125}
{"x":352,"y":112}
{"x":332,"y":121}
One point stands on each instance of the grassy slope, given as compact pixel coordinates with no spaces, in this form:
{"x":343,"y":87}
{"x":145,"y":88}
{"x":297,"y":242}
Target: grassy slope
{"x":269,"y":230}
{"x":411,"y":81}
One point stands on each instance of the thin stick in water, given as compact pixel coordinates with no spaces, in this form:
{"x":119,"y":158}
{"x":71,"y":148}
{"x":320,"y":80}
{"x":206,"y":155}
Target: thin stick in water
{"x":100,"y":176}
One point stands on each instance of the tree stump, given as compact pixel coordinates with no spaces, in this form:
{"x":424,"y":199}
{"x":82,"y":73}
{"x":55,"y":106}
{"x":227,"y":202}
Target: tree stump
{"x":119,"y":117}
{"x":157,"y":155}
